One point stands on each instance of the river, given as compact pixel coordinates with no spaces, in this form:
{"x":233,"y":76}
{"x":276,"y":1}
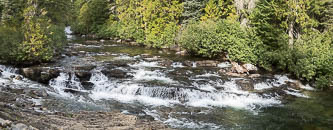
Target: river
{"x":172,"y":89}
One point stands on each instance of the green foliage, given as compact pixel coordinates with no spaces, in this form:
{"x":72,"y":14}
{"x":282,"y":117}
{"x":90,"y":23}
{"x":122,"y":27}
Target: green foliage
{"x":59,"y":11}
{"x":12,"y":12}
{"x":28,"y":34}
{"x":192,"y":10}
{"x":130,"y":19}
{"x":35,"y":47}
{"x":91,"y":16}
{"x":211,"y":39}
{"x":109,"y":29}
{"x":312,"y":58}
{"x":10,"y":38}
{"x":160,"y":21}
{"x":216,"y":9}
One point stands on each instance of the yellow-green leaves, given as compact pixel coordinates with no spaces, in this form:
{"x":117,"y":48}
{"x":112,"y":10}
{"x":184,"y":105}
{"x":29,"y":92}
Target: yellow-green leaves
{"x":216,"y":9}
{"x":35,"y":46}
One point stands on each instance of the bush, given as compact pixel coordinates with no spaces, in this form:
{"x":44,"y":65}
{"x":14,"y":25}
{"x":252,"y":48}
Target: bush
{"x":109,"y":29}
{"x":210,"y":39}
{"x":312,"y":58}
{"x":10,"y":38}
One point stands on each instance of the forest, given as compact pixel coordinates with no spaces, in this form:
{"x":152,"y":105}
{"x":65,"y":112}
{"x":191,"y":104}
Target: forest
{"x":294,"y":36}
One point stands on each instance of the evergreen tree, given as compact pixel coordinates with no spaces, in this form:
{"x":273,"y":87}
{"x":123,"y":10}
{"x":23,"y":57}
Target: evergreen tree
{"x":192,"y":10}
{"x":12,"y":12}
{"x":161,"y":21}
{"x":130,"y":19}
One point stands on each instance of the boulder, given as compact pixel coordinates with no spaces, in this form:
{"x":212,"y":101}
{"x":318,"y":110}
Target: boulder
{"x":252,"y":69}
{"x":188,"y":63}
{"x":246,"y":85}
{"x":84,"y":67}
{"x":18,"y":77}
{"x":83,"y":75}
{"x":207,"y":63}
{"x":116,"y":73}
{"x":236,"y":68}
{"x":166,"y":63}
{"x":4,"y":123}
{"x":175,"y":48}
{"x":40,"y":74}
{"x":39,"y":93}
{"x":87,"y":85}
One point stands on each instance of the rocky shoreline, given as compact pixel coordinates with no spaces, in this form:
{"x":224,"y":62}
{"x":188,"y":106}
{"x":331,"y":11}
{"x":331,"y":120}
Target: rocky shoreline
{"x":19,"y":112}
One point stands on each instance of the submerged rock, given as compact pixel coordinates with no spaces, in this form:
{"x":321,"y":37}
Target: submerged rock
{"x":207,"y":63}
{"x":87,"y":85}
{"x":246,"y":85}
{"x":40,"y":74}
{"x":116,"y":73}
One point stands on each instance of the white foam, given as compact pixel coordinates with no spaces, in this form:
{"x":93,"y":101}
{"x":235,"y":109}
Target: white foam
{"x":177,"y":65}
{"x":146,"y":75}
{"x":145,"y":64}
{"x":60,"y":83}
{"x":307,"y":87}
{"x":224,"y":65}
{"x":208,"y":75}
{"x":262,"y":86}
{"x":297,"y":94}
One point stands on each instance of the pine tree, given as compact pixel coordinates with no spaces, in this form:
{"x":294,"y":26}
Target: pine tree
{"x":192,"y":10}
{"x":161,"y":19}
{"x":131,"y":19}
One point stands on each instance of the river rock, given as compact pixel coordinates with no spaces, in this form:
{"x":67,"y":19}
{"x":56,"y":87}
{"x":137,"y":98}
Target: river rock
{"x":236,"y":68}
{"x":207,"y":63}
{"x":18,"y":77}
{"x":21,"y":126}
{"x":175,"y":48}
{"x":188,"y":63}
{"x":116,"y":73}
{"x":250,"y":68}
{"x":87,"y":85}
{"x":12,"y":76}
{"x":182,"y":53}
{"x":83,"y":75}
{"x":84,"y":67}
{"x":4,"y":123}
{"x":39,"y":93}
{"x":40,"y":74}
{"x":246,"y":85}
{"x":166,"y":63}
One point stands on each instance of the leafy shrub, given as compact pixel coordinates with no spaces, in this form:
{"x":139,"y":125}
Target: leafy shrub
{"x":312,"y":58}
{"x":210,"y":39}
{"x":109,"y":29}
{"x":10,"y":38}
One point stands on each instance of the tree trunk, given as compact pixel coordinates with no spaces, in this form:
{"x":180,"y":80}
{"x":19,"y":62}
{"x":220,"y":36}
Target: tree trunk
{"x":290,"y":34}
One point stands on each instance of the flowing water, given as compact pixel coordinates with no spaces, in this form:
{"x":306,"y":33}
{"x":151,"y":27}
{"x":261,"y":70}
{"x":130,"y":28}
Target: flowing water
{"x":181,"y":96}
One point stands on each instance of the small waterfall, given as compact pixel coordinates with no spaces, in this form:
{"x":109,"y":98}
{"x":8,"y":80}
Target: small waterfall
{"x":65,"y":81}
